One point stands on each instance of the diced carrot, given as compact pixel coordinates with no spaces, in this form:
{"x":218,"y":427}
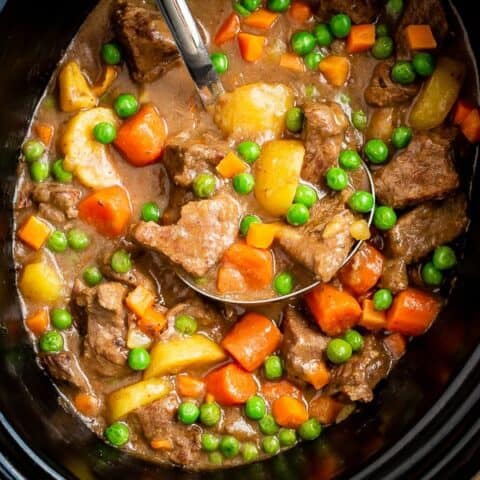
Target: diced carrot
{"x":161,"y":444}
{"x":231,"y":165}
{"x":420,"y":37}
{"x":230,"y":385}
{"x":209,"y":398}
{"x":251,"y":46}
{"x":255,"y":264}
{"x":152,"y":322}
{"x":361,"y":38}
{"x":396,"y":344}
{"x":316,"y":373}
{"x":262,"y":235}
{"x":325,"y":409}
{"x":461,"y":110}
{"x":471,"y":126}
{"x":141,"y":139}
{"x":262,"y":19}
{"x":334,"y":311}
{"x":289,"y":412}
{"x":140,"y":300}
{"x":292,"y":62}
{"x":190,"y":387}
{"x":108,"y":210}
{"x":230,"y":280}
{"x":228,"y":30}
{"x":363,"y":271}
{"x":86,"y":404}
{"x":38,"y":322}
{"x":44,"y":132}
{"x":372,"y":319}
{"x":251,"y":340}
{"x":272,"y":391}
{"x":34,"y":232}
{"x":412,"y":312}
{"x":335,"y":69}
{"x":300,"y":12}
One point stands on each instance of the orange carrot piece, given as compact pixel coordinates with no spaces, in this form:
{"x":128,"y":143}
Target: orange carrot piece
{"x":161,"y":444}
{"x":325,"y":409}
{"x":251,"y":340}
{"x":251,"y":46}
{"x":272,"y":391}
{"x":38,"y":322}
{"x":363,"y":271}
{"x":190,"y":387}
{"x":262,"y":19}
{"x":34,"y":232}
{"x":289,"y":412}
{"x":335,"y":69}
{"x":361,"y":38}
{"x":471,"y":126}
{"x":420,"y":37}
{"x":152,"y":322}
{"x":228,"y":30}
{"x":140,"y":300}
{"x":262,"y":235}
{"x":44,"y":132}
{"x":334,"y":311}
{"x":86,"y":404}
{"x":461,"y":111}
{"x":300,"y":12}
{"x":396,"y":344}
{"x":317,"y":374}
{"x":209,"y":398}
{"x":412,"y":312}
{"x":292,"y":62}
{"x":231,"y":165}
{"x":372,"y":319}
{"x":230,"y":385}
{"x":141,"y":139}
{"x":230,"y":280}
{"x":108,"y":210}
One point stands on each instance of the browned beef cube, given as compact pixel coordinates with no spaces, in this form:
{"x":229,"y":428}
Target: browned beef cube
{"x":64,"y":366}
{"x":394,"y":275}
{"x":360,"y":11}
{"x":57,"y":202}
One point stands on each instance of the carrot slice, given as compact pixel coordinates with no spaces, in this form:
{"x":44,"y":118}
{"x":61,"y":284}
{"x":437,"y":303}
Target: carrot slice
{"x":38,"y":322}
{"x":228,"y":30}
{"x":317,"y":374}
{"x":334,"y":311}
{"x":335,"y":69}
{"x":471,"y":126}
{"x":262,"y":235}
{"x":289,"y":412}
{"x":44,"y":132}
{"x":361,"y":38}
{"x":412,"y":312}
{"x":325,"y":409}
{"x":231,"y":165}
{"x":262,"y":19}
{"x":372,"y":319}
{"x":251,"y":46}
{"x":292,"y":62}
{"x":161,"y":444}
{"x":152,"y":322}
{"x":230,"y":280}
{"x":251,"y":340}
{"x":34,"y":232}
{"x":140,"y":300}
{"x":396,"y":344}
{"x":190,"y":387}
{"x":230,"y":385}
{"x":272,"y":391}
{"x":300,"y":12}
{"x":107,"y":210}
{"x":461,"y":111}
{"x":420,"y":37}
{"x":86,"y":404}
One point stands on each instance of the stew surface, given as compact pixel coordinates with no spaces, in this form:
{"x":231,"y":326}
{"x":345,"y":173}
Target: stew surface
{"x":125,"y":179}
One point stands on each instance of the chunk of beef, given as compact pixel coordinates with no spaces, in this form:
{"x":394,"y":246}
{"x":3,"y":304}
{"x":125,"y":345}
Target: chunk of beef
{"x":427,"y":226}
{"x":146,"y":41}
{"x":323,"y":244}
{"x":235,"y":423}
{"x":64,"y":367}
{"x":358,"y":377}
{"x":394,"y":275}
{"x":384,"y":92}
{"x":198,"y":241}
{"x":158,"y":421}
{"x":420,"y":12}
{"x":360,"y":11}
{"x":422,"y":171}
{"x":186,"y":156}
{"x":57,"y":202}
{"x":302,"y":347}
{"x":325,"y":126}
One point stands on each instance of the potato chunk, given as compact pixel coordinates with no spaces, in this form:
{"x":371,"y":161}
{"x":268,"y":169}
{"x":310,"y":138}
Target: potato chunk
{"x":75,"y":93}
{"x":41,"y":283}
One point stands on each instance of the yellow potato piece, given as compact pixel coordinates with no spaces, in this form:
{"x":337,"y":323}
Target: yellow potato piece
{"x":255,"y":111}
{"x":277,"y":173}
{"x":41,"y":283}
{"x":175,"y":356}
{"x":86,"y":158}
{"x":127,"y":399}
{"x":75,"y":93}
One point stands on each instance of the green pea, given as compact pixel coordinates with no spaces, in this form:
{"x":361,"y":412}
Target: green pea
{"x":306,"y":196}
{"x":126,"y":105}
{"x":251,"y":5}
{"x":33,"y":150}
{"x":121,"y":262}
{"x":310,"y":430}
{"x":444,"y":258}
{"x":323,"y":35}
{"x":339,"y":351}
{"x":423,"y":64}
{"x":298,"y":214}
{"x":117,"y":434}
{"x":271,"y":445}
{"x":92,"y":276}
{"x":381,"y":30}
{"x":278,"y":5}
{"x":401,"y":137}
{"x":394,"y":7}
{"x":359,"y":120}
{"x":403,"y":73}
{"x":57,"y":242}
{"x":240,"y":9}
{"x":138,"y":359}
{"x":384,"y":218}
{"x":349,"y":160}
{"x":382,"y":299}
{"x":150,"y":212}
{"x":39,"y":171}
{"x":59,"y":173}
{"x":361,"y":202}
{"x":287,"y":437}
{"x":340,"y":25}
{"x":77,"y":239}
{"x":210,"y":414}
{"x":210,"y":442}
{"x":355,"y":339}
{"x":105,"y":132}
{"x":336,"y":178}
{"x":186,"y":324}
{"x":268,"y":425}
{"x":376,"y":151}
{"x":283,"y":283}
{"x":431,"y":275}
{"x":215,"y":458}
{"x":220,"y":62}
{"x":312,"y":60}
{"x":255,"y":408}
{"x":249,"y":151}
{"x":51,"y":342}
{"x":383,"y":48}
{"x":229,"y":446}
{"x":248,"y":220}
{"x":111,"y":54}
{"x":249,"y":452}
{"x":204,"y":185}
{"x":294,"y":119}
{"x":243,"y":183}
{"x":272,"y":367}
{"x":61,"y":318}
{"x":188,"y":413}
